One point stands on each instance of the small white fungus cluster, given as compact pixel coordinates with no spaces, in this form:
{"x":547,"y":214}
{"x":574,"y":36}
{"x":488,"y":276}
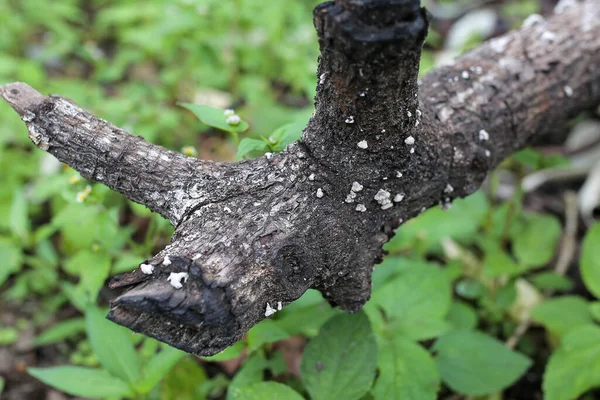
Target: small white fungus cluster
{"x":176,"y":279}
{"x":356,"y":187}
{"x":383,"y":198}
{"x":270,"y":310}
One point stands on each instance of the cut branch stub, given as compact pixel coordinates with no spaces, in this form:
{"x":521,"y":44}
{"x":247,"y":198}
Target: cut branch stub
{"x":254,"y":235}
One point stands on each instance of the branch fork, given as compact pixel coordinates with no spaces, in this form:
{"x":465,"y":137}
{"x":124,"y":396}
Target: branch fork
{"x":253,"y":236}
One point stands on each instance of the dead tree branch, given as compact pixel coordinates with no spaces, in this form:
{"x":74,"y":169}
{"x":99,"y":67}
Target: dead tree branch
{"x":380,"y":148}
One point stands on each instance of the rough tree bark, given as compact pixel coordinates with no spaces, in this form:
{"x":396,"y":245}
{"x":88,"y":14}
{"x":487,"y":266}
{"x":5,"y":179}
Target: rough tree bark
{"x":380,"y":148}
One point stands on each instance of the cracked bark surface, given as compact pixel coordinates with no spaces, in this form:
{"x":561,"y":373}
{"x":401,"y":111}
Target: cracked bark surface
{"x":263,"y":231}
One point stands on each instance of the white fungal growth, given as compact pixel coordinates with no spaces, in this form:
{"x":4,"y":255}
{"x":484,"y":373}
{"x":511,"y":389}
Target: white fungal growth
{"x":28,"y":116}
{"x":311,"y":177}
{"x":487,"y":153}
{"x":548,"y":36}
{"x":398,"y":174}
{"x":418,"y":113}
{"x":322,"y":78}
{"x":361,"y":208}
{"x":319,"y":193}
{"x":233,"y":120}
{"x":409,"y":140}
{"x":409,"y":114}
{"x":176,"y":278}
{"x":387,"y":205}
{"x":363,"y":144}
{"x":412,"y":150}
{"x":362,"y":94}
{"x":166,"y":261}
{"x":356,"y":187}
{"x":350,"y":120}
{"x":533,"y":20}
{"x":383,"y":131}
{"x":417,"y":123}
{"x":448,"y":189}
{"x":382,"y":195}
{"x":499,"y":44}
{"x":350,"y":198}
{"x":568,"y":91}
{"x":465,"y":75}
{"x":398,"y":198}
{"x":269,"y":311}
{"x":279,"y":306}
{"x":147,"y":269}
{"x":483,"y":135}
{"x":229,"y":112}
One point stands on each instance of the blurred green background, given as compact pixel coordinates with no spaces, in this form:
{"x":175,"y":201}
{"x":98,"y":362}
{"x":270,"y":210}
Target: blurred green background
{"x":455,"y":287}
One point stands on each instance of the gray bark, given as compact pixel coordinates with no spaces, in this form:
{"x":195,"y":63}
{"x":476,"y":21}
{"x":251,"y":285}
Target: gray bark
{"x":256,"y":233}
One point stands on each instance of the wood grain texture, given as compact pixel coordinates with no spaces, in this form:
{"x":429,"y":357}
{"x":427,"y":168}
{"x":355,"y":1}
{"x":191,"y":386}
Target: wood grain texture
{"x":263,"y":231}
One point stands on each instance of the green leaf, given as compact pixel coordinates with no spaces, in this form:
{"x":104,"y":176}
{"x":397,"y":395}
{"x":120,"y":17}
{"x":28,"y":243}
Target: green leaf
{"x":340,"y":362}
{"x":266,"y":391}
{"x":214,"y":117}
{"x":159,"y":366}
{"x":498,"y":263}
{"x":475,"y":364}
{"x":590,"y":260}
{"x":574,"y":367}
{"x":19,"y":220}
{"x":562,"y":314}
{"x":85,"y":382}
{"x":93,"y":268}
{"x":248,"y":145}
{"x":251,"y":372}
{"x":233,"y":351}
{"x":60,"y":331}
{"x":407,"y":372}
{"x":551,"y":281}
{"x":112,"y":345}
{"x":462,"y":315}
{"x":595,"y":310}
{"x":535,"y":243}
{"x":11,"y":257}
{"x":416,"y":302}
{"x":470,"y":288}
{"x":427,"y":231}
{"x":266,"y":331}
{"x":8,"y":336}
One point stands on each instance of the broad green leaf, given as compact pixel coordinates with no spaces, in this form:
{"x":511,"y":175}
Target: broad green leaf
{"x":574,"y":367}
{"x":462,"y":315}
{"x":475,"y":364}
{"x":590,"y":260}
{"x":406,"y":372}
{"x":79,"y":381}
{"x":305,"y":315}
{"x":60,"y":331}
{"x":340,"y":362}
{"x":266,"y":331}
{"x":233,"y":351}
{"x":535,"y":243}
{"x":416,"y":302}
{"x":562,"y":314}
{"x":470,"y":288}
{"x":251,"y":372}
{"x":93,"y":268}
{"x":498,"y":263}
{"x":112,"y":345}
{"x":159,"y":366}
{"x":266,"y":391}
{"x":8,"y":336}
{"x":184,"y":380}
{"x":214,"y":117}
{"x":428,"y":229}
{"x":595,"y":310}
{"x":11,"y":257}
{"x":551,"y":281}
{"x":248,"y":145}
{"x":392,"y":266}
{"x":19,"y":220}
{"x":288,"y":133}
